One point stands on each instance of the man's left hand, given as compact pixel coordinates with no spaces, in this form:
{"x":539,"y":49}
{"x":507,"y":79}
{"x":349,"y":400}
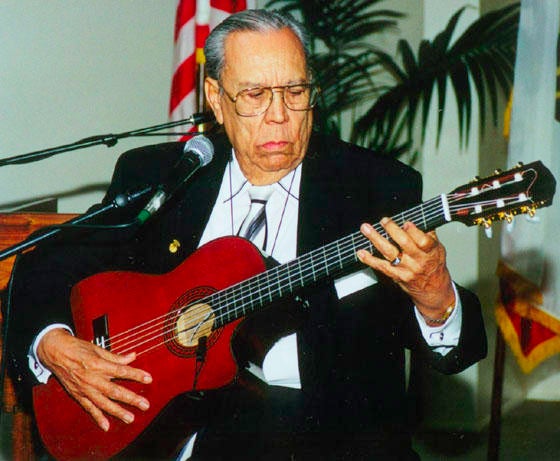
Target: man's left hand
{"x":416,"y":261}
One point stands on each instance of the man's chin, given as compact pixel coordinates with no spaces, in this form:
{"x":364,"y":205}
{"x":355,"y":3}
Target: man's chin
{"x":278,"y":162}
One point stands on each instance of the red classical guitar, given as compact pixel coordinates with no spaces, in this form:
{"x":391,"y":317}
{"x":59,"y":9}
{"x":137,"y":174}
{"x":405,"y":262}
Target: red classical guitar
{"x":181,"y":323}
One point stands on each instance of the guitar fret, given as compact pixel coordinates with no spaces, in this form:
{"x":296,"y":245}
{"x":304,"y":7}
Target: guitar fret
{"x":268,"y":284}
{"x":313,"y":271}
{"x":279,"y":289}
{"x":424,"y":218}
{"x":325,"y":260}
{"x":300,"y":275}
{"x":338,"y":252}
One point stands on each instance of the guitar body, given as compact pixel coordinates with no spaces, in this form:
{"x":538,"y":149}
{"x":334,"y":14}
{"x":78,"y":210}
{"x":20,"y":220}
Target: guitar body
{"x":149,"y":307}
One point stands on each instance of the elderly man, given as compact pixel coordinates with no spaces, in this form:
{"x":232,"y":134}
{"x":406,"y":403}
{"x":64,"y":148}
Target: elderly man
{"x":332,"y":384}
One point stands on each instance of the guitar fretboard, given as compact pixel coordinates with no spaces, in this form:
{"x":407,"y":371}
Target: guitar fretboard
{"x":260,"y":290}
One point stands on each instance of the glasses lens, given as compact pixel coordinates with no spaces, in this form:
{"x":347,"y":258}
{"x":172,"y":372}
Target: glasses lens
{"x":255,"y":101}
{"x":296,"y":97}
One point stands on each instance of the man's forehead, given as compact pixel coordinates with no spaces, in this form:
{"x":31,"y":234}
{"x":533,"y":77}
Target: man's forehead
{"x":252,"y":55}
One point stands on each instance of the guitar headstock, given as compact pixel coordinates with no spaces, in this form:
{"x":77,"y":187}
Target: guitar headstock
{"x":503,"y":195}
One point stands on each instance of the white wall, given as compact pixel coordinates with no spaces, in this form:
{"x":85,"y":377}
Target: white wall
{"x":71,"y":69}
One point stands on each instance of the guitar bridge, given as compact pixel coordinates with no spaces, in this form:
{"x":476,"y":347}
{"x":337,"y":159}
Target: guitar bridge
{"x":101,"y":332}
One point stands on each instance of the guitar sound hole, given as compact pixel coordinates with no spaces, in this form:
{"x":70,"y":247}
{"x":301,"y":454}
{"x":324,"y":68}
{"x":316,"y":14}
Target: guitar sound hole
{"x":185,"y":326}
{"x":197,"y":321}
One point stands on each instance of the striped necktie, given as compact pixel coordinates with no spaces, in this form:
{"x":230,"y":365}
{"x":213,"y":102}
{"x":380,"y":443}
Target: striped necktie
{"x":254,"y":226}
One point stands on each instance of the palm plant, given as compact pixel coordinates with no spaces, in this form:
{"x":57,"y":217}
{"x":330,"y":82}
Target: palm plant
{"x":353,"y":73}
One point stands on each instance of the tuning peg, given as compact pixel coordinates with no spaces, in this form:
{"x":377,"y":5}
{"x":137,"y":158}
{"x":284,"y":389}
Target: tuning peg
{"x":475,"y":179}
{"x":519,"y":165}
{"x":510,"y":225}
{"x":498,"y":171}
{"x":487,"y":224}
{"x":530,"y":213}
{"x":482,"y":222}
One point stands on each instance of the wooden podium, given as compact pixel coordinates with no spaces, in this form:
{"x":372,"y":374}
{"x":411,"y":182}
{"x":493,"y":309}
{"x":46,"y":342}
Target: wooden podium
{"x":14,"y":228}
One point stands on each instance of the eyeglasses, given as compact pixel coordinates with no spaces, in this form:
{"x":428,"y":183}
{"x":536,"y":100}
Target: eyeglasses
{"x":256,"y":101}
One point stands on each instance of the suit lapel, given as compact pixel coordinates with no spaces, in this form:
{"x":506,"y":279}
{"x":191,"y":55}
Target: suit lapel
{"x":316,"y":226}
{"x":197,"y":201}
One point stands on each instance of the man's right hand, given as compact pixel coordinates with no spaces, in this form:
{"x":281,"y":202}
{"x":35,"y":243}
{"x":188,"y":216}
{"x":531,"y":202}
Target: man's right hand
{"x":87,"y":372}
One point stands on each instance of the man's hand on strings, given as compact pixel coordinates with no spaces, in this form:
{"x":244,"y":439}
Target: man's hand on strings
{"x":87,"y":372}
{"x":416,"y":261}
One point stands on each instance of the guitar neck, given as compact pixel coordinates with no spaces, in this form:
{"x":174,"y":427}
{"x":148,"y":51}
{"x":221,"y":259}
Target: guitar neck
{"x":263,"y":289}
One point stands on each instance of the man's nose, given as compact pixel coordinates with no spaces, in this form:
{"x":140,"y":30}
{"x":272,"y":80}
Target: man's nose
{"x":277,"y":111}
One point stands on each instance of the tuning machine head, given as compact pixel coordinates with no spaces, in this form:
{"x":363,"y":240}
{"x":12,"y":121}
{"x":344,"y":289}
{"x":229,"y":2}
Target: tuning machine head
{"x":530,"y":210}
{"x":486,"y":223}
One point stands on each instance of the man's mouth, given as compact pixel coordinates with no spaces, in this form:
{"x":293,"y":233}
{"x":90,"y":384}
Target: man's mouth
{"x":274,"y":145}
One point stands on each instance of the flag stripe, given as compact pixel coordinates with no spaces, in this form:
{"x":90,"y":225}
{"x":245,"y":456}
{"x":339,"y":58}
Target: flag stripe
{"x":193,"y":22}
{"x":229,"y":6}
{"x":183,"y":82}
{"x":185,"y":45}
{"x":185,"y":12}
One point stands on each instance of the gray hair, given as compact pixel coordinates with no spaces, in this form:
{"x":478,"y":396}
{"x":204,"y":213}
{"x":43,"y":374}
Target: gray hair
{"x":254,"y":21}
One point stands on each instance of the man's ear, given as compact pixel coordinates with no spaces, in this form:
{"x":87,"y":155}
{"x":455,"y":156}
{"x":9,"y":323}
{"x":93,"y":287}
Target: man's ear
{"x":212,"y":92}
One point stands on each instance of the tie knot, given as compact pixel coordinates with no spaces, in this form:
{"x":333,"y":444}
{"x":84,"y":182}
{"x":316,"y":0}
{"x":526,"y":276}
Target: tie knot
{"x":260,"y":193}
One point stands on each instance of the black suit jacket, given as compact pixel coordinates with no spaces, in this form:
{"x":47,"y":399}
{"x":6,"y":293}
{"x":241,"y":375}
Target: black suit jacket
{"x":351,"y":351}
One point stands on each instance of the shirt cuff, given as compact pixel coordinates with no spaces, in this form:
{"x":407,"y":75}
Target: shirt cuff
{"x":37,"y":368}
{"x":442,"y":338}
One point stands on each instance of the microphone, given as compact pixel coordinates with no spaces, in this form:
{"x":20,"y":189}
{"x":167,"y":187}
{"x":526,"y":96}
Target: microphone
{"x":198,"y":152}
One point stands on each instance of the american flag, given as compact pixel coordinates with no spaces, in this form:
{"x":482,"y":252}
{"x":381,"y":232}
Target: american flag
{"x":194,"y":20}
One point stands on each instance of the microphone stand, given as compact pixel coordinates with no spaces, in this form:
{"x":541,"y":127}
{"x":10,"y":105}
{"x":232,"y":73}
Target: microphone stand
{"x":108,"y":139}
{"x":120,"y":201}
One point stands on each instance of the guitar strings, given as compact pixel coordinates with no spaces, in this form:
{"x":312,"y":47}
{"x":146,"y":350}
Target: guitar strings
{"x":302,"y":271}
{"x":146,"y":332}
{"x":248,"y":284}
{"x":115,"y":341}
{"x":139,"y":335}
{"x":218,"y":308}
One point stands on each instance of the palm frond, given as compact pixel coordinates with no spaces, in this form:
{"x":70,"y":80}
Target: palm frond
{"x":483,"y":55}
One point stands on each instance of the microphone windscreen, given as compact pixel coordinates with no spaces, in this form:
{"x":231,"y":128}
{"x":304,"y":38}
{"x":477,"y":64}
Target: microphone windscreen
{"x":202,"y":147}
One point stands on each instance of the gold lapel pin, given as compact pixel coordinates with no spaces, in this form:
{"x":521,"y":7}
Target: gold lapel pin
{"x":174,"y":246}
